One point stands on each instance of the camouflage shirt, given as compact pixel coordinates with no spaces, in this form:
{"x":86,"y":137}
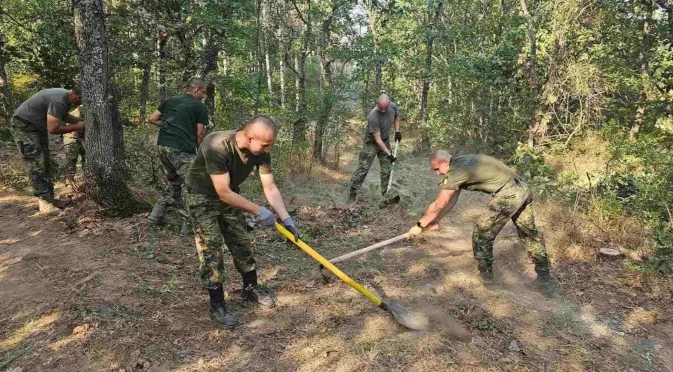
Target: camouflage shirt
{"x":219,"y":154}
{"x":476,"y":173}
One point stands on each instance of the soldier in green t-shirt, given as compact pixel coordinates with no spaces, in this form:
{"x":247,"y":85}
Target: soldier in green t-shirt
{"x":512,"y":199}
{"x":223,"y":161}
{"x":376,"y":143}
{"x":183,"y":121}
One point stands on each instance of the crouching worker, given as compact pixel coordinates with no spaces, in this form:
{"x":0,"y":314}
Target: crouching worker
{"x":223,"y":161}
{"x":512,"y":199}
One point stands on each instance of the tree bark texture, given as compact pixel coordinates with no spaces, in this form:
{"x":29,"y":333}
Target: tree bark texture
{"x":378,"y":64}
{"x":211,"y":50}
{"x":429,"y":40}
{"x":162,"y":38}
{"x":145,"y":89}
{"x":6,"y":99}
{"x":644,"y":70}
{"x":532,"y":75}
{"x":105,"y":168}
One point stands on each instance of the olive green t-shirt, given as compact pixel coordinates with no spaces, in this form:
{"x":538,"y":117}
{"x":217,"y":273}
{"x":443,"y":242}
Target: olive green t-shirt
{"x":381,"y":122}
{"x":476,"y":173}
{"x":180,"y":115}
{"x":219,"y":154}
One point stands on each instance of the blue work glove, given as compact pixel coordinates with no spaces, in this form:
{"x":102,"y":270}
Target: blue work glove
{"x":291,"y":227}
{"x":266,"y":217}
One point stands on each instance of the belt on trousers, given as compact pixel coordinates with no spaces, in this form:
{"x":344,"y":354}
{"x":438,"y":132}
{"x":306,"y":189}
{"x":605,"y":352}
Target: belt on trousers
{"x":516,"y":181}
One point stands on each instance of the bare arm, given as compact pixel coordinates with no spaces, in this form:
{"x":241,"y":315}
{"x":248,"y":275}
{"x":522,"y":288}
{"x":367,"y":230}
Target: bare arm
{"x":155,"y":118}
{"x":397,"y":124}
{"x":71,"y":119}
{"x":379,"y":142}
{"x":200,"y":132}
{"x":273,"y":195}
{"x":441,"y":206}
{"x":55,"y":126}
{"x":452,"y":203}
{"x":222,"y":185}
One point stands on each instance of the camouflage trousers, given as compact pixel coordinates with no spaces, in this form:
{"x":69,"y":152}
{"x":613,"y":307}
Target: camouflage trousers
{"x":218,"y":226}
{"x":175,"y":164}
{"x":34,"y":149}
{"x":370,"y":151}
{"x":513,"y":201}
{"x":74,"y":149}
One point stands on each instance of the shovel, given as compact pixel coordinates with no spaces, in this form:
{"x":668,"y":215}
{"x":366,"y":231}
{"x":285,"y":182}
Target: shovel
{"x":403,"y":316}
{"x":392,"y":168}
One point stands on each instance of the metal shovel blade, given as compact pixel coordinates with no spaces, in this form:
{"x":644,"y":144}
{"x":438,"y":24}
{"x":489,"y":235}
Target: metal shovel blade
{"x":412,"y":320}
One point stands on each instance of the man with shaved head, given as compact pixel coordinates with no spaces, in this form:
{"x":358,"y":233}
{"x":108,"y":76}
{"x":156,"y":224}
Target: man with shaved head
{"x":183,"y":121}
{"x":223,"y":161}
{"x":512,"y":199}
{"x":376,"y":143}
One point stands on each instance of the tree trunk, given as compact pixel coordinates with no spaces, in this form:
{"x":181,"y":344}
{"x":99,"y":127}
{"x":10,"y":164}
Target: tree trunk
{"x":326,"y":84}
{"x":265,"y":46}
{"x":163,"y":37}
{"x":208,"y":64}
{"x":430,"y":38}
{"x":105,"y":168}
{"x":377,"y":59}
{"x":145,"y":89}
{"x":299,"y":130}
{"x":296,"y":83}
{"x":6,"y":99}
{"x":644,"y":71}
{"x":532,"y":76}
{"x":281,"y":70}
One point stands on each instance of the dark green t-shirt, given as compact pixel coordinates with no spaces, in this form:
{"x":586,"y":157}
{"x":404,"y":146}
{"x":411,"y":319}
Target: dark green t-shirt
{"x":381,"y":122}
{"x":476,"y":173}
{"x":219,"y":154}
{"x":180,"y":115}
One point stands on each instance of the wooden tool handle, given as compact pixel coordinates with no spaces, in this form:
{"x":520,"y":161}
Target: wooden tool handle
{"x":370,"y":248}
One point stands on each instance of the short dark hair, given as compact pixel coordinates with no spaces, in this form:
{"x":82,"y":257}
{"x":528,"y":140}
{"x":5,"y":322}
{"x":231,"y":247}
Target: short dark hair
{"x":196,"y":83}
{"x":77,"y":89}
{"x":264,"y":119}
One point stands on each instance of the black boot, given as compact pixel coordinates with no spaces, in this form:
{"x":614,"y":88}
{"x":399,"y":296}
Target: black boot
{"x":158,"y":214}
{"x":254,"y":292}
{"x":546,"y":283}
{"x":218,"y":310}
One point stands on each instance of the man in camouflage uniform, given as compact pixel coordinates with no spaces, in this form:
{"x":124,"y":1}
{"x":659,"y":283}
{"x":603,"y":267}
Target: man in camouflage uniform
{"x":183,"y":121}
{"x":376,"y":143}
{"x":36,"y":118}
{"x":74,"y":149}
{"x":512,"y":199}
{"x":223,"y":161}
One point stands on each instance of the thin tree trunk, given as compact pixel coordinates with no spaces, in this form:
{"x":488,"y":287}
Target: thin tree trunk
{"x":6,"y":98}
{"x":372,"y":18}
{"x":281,"y":70}
{"x":532,"y":75}
{"x":208,"y":64}
{"x":265,"y":46}
{"x":430,"y":38}
{"x":296,"y":83}
{"x":145,"y":89}
{"x":163,"y":37}
{"x":299,"y":130}
{"x":105,"y":169}
{"x":644,"y":71}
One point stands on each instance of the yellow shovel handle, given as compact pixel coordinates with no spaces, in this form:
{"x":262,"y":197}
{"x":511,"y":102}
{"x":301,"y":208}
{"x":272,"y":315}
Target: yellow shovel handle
{"x":323,"y":261}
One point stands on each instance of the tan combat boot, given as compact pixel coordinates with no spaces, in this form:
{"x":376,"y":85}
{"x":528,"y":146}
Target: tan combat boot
{"x":47,"y":208}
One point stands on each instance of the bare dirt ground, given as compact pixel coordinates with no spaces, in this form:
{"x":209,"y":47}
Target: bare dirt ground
{"x":83,"y":293}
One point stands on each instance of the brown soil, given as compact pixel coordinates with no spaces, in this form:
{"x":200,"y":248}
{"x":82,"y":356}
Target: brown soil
{"x":83,"y":293}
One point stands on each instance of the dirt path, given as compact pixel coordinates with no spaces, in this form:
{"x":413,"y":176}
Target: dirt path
{"x":120,"y":295}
